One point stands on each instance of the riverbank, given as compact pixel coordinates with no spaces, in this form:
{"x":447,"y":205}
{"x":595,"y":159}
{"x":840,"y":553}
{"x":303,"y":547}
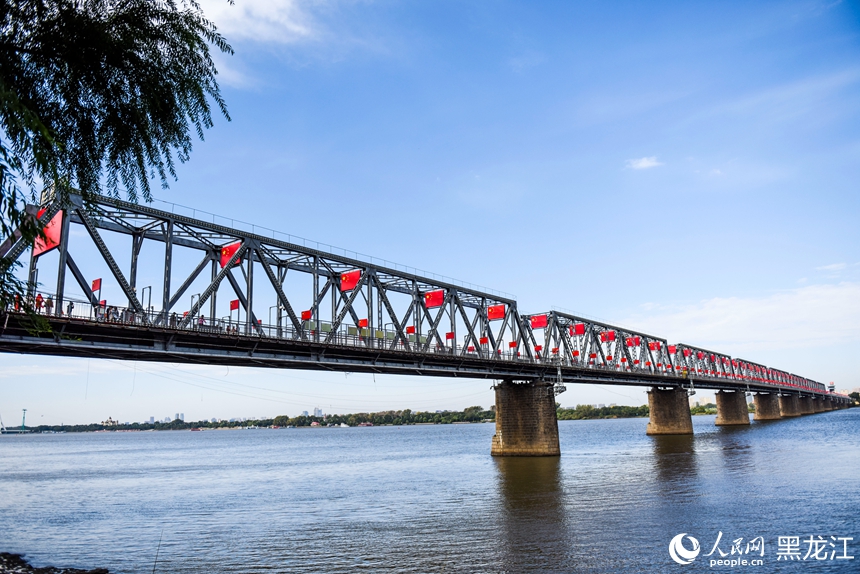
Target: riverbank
{"x":16,"y":564}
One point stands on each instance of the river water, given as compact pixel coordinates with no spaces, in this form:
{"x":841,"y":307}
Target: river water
{"x":431,"y":499}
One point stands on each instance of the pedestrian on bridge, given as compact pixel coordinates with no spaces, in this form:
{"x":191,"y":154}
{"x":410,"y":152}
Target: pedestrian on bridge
{"x":49,"y":306}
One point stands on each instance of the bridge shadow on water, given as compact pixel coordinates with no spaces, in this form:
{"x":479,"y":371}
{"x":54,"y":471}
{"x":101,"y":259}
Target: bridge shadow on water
{"x":534,"y":533}
{"x":674,"y":459}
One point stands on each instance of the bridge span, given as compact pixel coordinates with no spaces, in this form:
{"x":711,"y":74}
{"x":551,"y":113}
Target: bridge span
{"x":316,"y":309}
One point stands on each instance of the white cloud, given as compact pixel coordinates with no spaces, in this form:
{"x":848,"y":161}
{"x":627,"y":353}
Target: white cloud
{"x":643,"y":163}
{"x":272,"y":21}
{"x":815,"y":316}
{"x":832,"y":267}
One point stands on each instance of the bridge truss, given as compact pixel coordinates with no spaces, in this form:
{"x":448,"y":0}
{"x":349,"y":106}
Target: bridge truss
{"x":325,"y":311}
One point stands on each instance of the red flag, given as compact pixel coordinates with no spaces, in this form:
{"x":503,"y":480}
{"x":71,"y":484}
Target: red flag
{"x":227,"y":253}
{"x":575,"y":353}
{"x":485,"y":340}
{"x":410,"y":329}
{"x":471,"y":349}
{"x":362,"y":322}
{"x":234,"y":305}
{"x":608,"y":357}
{"x":496,"y":312}
{"x":555,"y":350}
{"x":578,"y":329}
{"x":97,"y":284}
{"x":673,"y":349}
{"x":539,"y":321}
{"x":654,"y":346}
{"x":349,"y":280}
{"x":610,"y":335}
{"x":103,"y":303}
{"x":633,"y":341}
{"x":687,"y":352}
{"x":52,"y":234}
{"x":449,"y":336}
{"x":433,"y":299}
{"x":538,"y":348}
{"x":306,"y":315}
{"x":512,"y":344}
{"x":700,"y":355}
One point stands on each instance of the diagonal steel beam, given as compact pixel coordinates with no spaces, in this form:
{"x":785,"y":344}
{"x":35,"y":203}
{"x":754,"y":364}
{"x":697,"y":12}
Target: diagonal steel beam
{"x":188,"y":281}
{"x":335,"y":324}
{"x":281,"y":296}
{"x":117,"y":273}
{"x":435,"y":324}
{"x":225,"y":272}
{"x":82,"y":281}
{"x":387,"y":304}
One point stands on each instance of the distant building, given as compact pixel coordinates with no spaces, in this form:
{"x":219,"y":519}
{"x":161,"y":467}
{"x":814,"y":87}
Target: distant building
{"x":182,"y":417}
{"x":152,"y":420}
{"x":318,"y":412}
{"x":214,"y":420}
{"x":304,"y":413}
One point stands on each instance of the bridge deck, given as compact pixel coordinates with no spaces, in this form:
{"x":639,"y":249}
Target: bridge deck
{"x":76,"y":337}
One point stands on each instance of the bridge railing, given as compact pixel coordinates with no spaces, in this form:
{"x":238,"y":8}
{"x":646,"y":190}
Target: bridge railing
{"x":347,"y":336}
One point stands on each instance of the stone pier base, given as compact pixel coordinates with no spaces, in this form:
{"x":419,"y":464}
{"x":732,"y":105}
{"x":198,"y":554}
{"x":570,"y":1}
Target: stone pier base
{"x":766,"y":407}
{"x":526,"y":423}
{"x":670,"y":412}
{"x":818,"y":405}
{"x":789,"y":406}
{"x":805,"y":405}
{"x":732,"y":408}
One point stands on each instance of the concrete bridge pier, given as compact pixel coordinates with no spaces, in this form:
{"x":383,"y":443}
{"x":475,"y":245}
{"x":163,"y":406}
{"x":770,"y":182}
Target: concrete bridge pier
{"x":818,"y":404}
{"x":789,"y":406}
{"x":806,"y":405}
{"x":766,"y":407}
{"x":732,"y":408}
{"x":669,"y":411}
{"x":526,"y":423}
{"x":828,"y":404}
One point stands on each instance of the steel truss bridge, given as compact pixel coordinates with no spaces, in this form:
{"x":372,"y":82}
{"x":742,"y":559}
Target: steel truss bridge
{"x":331,"y":312}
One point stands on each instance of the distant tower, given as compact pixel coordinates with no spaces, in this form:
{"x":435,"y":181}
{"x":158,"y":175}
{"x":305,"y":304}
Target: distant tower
{"x":23,"y":418}
{"x":182,"y":417}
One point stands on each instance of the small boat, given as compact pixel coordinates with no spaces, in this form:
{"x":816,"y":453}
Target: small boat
{"x":196,"y":429}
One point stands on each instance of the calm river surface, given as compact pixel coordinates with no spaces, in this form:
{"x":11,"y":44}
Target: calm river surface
{"x":430,"y":498}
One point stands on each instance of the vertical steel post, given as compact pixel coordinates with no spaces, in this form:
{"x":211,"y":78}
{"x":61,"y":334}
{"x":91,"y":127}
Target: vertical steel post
{"x":212,"y":298}
{"x":136,"y":243}
{"x":371,"y":328}
{"x":33,"y":274}
{"x":316,"y":316}
{"x":168,"y":269}
{"x":61,"y":266}
{"x":452,"y":312}
{"x":249,"y":296}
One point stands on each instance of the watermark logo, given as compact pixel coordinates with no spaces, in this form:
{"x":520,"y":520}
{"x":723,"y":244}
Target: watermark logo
{"x":680,"y":554}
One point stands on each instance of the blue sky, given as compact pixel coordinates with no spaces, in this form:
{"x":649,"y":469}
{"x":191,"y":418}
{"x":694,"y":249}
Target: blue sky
{"x":688,"y":169}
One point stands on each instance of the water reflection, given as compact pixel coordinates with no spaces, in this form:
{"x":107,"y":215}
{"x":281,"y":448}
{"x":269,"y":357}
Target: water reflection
{"x":532,"y":516}
{"x":735,"y":447}
{"x":675,"y":460}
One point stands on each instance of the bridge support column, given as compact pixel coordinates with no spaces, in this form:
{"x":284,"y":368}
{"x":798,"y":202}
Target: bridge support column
{"x":828,"y":404}
{"x":818,"y":404}
{"x":526,"y":423}
{"x":806,"y":405}
{"x":669,"y":412}
{"x":732,"y":408}
{"x":789,"y":405}
{"x":766,"y":407}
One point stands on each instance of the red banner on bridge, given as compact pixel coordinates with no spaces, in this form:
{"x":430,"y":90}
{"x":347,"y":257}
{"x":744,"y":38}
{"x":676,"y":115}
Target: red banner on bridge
{"x":496,"y":312}
{"x":539,"y":322}
{"x":52,"y":231}
{"x":227,"y":253}
{"x":348,"y":281}
{"x":433,"y":299}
